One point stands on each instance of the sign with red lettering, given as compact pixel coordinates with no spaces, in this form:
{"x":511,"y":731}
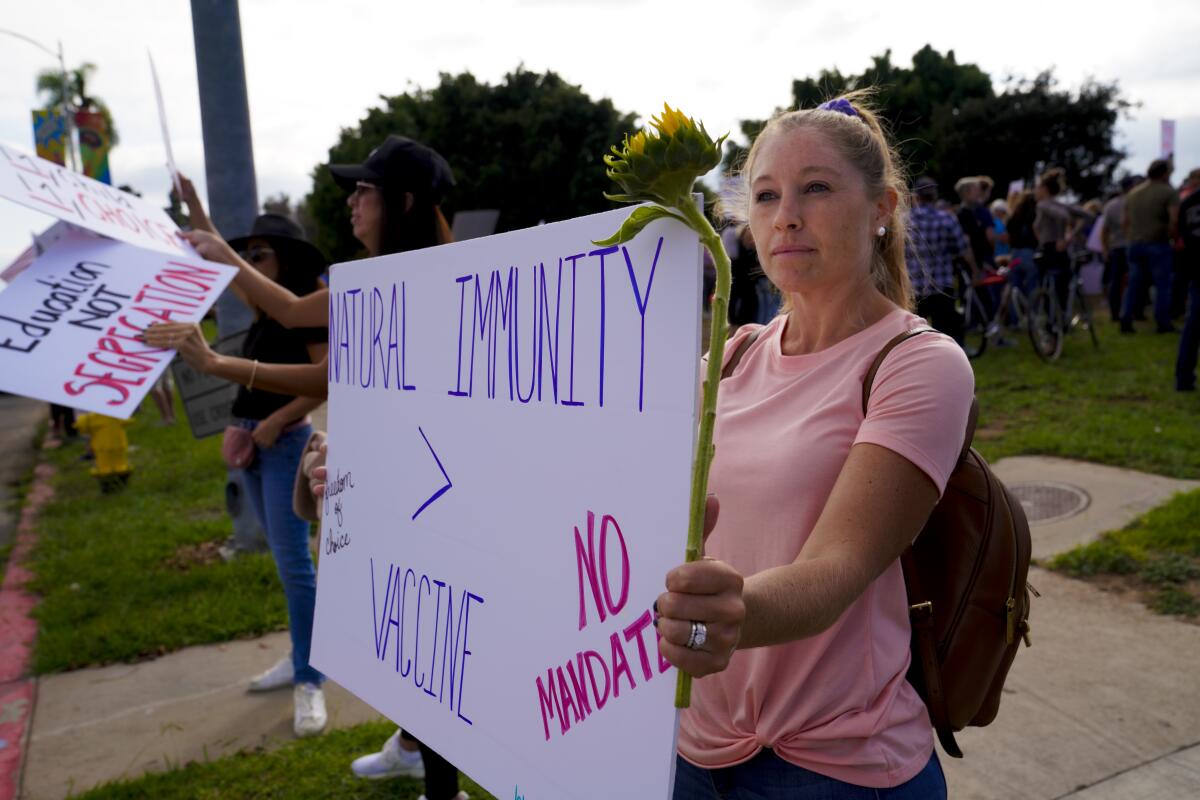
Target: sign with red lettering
{"x":45,"y":186}
{"x":69,"y":324}
{"x":511,"y":424}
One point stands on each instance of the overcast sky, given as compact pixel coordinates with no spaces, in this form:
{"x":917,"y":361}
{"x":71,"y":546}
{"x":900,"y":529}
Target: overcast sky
{"x":315,"y":67}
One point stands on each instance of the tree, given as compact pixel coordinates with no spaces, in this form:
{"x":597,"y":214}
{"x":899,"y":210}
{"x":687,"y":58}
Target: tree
{"x":948,"y":121}
{"x":50,"y":85}
{"x":281,"y":203}
{"x":531,"y":146}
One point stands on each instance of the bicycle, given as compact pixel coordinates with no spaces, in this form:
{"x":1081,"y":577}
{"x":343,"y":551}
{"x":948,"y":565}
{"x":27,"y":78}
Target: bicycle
{"x":1049,"y":319}
{"x":980,"y":326}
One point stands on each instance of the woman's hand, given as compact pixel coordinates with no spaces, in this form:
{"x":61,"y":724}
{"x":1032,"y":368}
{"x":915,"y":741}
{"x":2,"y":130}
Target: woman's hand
{"x":705,"y":591}
{"x":186,"y":338}
{"x":197,"y":216}
{"x":211,"y":247}
{"x":266,"y":433}
{"x":313,"y":466}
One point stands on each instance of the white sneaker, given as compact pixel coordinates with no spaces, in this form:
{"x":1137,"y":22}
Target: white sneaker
{"x":309,"y":702}
{"x":278,"y":676}
{"x":392,"y":761}
{"x":459,"y":796}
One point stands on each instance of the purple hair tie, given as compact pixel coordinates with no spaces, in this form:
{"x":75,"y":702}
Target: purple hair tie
{"x":841,"y":105}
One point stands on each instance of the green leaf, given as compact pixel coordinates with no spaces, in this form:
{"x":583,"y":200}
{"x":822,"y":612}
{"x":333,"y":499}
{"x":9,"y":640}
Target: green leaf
{"x":640,"y":218}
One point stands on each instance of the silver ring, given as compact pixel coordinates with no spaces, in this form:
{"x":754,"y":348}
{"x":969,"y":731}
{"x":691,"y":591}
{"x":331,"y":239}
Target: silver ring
{"x":698,"y":636}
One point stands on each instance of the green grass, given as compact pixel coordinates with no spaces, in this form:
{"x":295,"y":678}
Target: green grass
{"x":101,"y":563}
{"x":1158,"y":555}
{"x":1116,"y":405}
{"x":306,"y":768}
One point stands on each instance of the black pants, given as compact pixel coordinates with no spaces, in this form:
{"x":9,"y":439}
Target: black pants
{"x":64,"y":417}
{"x":441,"y":777}
{"x":1116,"y":271}
{"x":941,"y":311}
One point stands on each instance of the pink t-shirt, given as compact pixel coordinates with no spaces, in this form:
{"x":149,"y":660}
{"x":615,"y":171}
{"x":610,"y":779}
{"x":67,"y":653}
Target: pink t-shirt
{"x":836,"y":703}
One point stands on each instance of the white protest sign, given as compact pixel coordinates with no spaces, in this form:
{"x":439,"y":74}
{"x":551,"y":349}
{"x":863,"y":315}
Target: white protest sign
{"x":1167,"y":138}
{"x":512,"y":421}
{"x":69,"y":323}
{"x":162,"y":121}
{"x":71,"y":196}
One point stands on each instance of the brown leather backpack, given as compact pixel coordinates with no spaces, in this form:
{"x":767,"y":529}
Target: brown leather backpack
{"x":966,"y":578}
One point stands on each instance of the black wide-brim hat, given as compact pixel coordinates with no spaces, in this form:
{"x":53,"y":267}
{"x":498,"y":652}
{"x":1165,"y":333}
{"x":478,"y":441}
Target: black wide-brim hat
{"x":402,"y":164}
{"x":288,"y":238}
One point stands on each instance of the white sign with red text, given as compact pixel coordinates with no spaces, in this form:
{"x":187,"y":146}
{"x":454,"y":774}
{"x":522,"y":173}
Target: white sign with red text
{"x":72,"y":196}
{"x":69,"y":324}
{"x":511,"y":425}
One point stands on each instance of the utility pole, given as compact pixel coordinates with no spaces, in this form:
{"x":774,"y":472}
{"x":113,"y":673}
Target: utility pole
{"x":232,"y":190}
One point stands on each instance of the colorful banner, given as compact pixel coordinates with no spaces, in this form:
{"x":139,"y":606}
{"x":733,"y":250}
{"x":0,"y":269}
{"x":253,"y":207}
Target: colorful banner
{"x":94,"y":143}
{"x":507,"y":491}
{"x":50,"y":135}
{"x":49,"y":188}
{"x":69,"y":324}
{"x":1167,"y":137}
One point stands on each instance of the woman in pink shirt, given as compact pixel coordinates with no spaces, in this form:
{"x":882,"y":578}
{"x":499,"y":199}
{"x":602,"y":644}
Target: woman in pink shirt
{"x":796,"y":622}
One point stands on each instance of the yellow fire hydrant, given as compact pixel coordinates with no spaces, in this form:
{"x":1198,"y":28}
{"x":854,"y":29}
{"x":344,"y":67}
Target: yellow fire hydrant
{"x":110,"y":447}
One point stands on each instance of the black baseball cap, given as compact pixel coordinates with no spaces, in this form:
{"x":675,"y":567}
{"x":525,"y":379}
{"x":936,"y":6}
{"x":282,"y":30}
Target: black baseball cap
{"x":399,"y":163}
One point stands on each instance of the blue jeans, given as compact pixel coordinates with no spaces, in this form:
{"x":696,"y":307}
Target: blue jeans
{"x":1149,"y":261}
{"x":769,"y":777}
{"x":269,"y":482}
{"x":1189,"y":342}
{"x":1023,"y":272}
{"x":769,"y":300}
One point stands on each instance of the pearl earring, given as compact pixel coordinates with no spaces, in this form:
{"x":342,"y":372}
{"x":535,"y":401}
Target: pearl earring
{"x":880,"y":231}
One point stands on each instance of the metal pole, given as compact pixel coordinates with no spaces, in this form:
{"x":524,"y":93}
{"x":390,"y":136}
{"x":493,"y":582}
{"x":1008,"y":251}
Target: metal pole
{"x":62,"y":68}
{"x":66,"y":108}
{"x":232,"y":191}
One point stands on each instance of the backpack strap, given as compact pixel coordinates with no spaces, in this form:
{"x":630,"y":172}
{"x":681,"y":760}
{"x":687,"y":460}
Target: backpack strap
{"x":921,"y":618}
{"x":896,"y":341}
{"x":736,"y":358}
{"x":921,"y":614}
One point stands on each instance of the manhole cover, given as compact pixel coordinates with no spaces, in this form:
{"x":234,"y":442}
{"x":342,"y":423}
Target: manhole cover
{"x":1047,"y":501}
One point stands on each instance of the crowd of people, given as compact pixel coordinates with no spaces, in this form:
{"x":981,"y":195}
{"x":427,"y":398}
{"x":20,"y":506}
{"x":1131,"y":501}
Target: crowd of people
{"x":834,"y":254}
{"x":1142,"y":242}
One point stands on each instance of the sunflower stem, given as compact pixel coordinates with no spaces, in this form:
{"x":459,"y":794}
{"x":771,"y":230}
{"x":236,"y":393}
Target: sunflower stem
{"x":718,"y":330}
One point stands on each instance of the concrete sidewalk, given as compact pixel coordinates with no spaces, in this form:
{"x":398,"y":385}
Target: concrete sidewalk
{"x":19,"y":418}
{"x":1105,"y":704}
{"x":1107,"y":697}
{"x":102,"y":724}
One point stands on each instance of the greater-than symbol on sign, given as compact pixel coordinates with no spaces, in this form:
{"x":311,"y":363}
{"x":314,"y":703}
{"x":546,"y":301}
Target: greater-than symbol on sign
{"x":440,"y":491}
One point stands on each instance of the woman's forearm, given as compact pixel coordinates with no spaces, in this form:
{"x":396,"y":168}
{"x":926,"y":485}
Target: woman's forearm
{"x":298,"y":408}
{"x":281,"y":304}
{"x":304,"y":380}
{"x":796,"y":601}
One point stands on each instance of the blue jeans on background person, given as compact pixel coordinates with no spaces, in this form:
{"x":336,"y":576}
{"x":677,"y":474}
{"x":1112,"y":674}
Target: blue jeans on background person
{"x":269,"y":484}
{"x":1118,"y":269}
{"x":1022,"y":271}
{"x":769,"y":300}
{"x":1149,"y":262}
{"x":769,"y":777}
{"x":1189,"y":343}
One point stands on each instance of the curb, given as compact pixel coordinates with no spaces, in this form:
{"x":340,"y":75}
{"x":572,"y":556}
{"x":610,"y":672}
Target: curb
{"x":18,"y":630}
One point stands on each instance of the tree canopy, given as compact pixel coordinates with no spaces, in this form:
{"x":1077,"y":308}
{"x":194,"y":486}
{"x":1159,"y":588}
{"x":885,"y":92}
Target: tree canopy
{"x":530,"y":146}
{"x":50,"y":86}
{"x":949,"y":121}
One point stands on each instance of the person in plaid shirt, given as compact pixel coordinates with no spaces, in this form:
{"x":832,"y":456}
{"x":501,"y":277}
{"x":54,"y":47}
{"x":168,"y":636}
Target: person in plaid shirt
{"x":935,"y":239}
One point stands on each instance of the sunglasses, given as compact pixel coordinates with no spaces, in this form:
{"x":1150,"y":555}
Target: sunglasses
{"x":257,"y":255}
{"x":362,"y":187}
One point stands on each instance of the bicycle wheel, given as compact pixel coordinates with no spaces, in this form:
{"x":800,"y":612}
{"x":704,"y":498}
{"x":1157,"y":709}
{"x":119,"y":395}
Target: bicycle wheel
{"x":975,"y":324}
{"x":1084,"y":317}
{"x":1045,"y":323}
